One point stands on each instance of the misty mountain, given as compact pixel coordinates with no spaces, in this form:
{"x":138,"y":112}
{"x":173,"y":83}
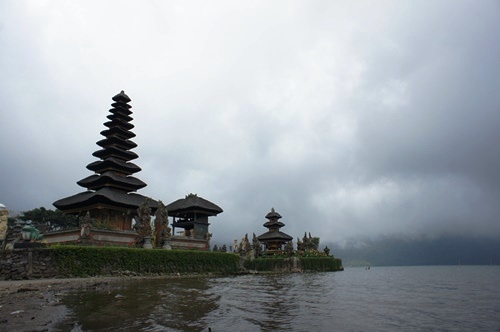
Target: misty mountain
{"x":445,"y":250}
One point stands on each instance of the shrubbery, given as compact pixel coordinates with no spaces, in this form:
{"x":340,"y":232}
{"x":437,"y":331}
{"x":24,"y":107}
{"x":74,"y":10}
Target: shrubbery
{"x":321,"y":263}
{"x":89,"y":261}
{"x":268,"y":264}
{"x":78,"y":261}
{"x":314,"y":263}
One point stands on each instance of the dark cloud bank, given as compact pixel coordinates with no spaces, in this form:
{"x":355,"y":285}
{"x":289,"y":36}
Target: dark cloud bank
{"x":444,"y":250}
{"x":356,"y":122}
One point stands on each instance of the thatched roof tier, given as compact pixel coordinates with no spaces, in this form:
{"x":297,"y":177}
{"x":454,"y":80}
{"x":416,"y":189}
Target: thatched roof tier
{"x":119,"y":123}
{"x":111,"y":179}
{"x":115,"y":152}
{"x":121,"y":107}
{"x":117,"y":142}
{"x":273,"y":215}
{"x":105,"y":197}
{"x":120,"y":115}
{"x":118,"y":132}
{"x":122,"y":97}
{"x":192,"y":204}
{"x":274,"y":223}
{"x":274,"y":236}
{"x":113,"y":164}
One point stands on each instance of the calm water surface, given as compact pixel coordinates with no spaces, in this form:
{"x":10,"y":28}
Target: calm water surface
{"x":437,"y":298}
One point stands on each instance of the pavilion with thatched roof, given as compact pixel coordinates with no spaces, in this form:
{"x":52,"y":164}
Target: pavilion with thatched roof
{"x":191,"y":214}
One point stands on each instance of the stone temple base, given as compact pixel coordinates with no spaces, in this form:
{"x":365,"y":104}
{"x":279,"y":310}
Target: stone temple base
{"x":187,"y":243}
{"x":100,"y":237}
{"x":95,"y":237}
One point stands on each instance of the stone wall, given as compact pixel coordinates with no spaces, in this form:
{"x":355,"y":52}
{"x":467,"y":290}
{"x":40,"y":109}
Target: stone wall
{"x":20,"y":264}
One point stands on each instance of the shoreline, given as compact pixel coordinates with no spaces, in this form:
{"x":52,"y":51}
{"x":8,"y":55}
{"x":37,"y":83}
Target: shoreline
{"x":35,"y":304}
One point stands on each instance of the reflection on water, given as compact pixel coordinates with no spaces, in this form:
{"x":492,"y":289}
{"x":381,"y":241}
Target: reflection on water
{"x":184,"y":303}
{"x":380,"y":299}
{"x":147,"y":305}
{"x":274,"y":302}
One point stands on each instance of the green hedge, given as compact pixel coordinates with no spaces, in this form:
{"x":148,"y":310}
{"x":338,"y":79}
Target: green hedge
{"x":321,"y":264}
{"x":317,"y":264}
{"x":268,"y":264}
{"x":89,"y":261}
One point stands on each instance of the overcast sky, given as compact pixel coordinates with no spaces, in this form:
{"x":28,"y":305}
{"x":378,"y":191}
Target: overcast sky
{"x":352,"y":119}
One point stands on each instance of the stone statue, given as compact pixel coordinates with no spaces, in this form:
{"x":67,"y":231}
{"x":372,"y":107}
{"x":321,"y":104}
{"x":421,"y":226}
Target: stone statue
{"x":314,"y":243}
{"x":162,"y":231}
{"x":236,"y":248}
{"x":305,"y":242}
{"x":289,"y":247}
{"x":143,"y":223}
{"x":86,"y":225}
{"x":308,"y":243}
{"x":245,"y":246}
{"x":224,"y":248}
{"x":300,"y":245}
{"x":257,"y":249}
{"x":327,"y":251}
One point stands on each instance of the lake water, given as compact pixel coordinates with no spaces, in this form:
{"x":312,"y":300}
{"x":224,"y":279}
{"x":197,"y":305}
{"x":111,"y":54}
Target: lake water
{"x":433,"y":298}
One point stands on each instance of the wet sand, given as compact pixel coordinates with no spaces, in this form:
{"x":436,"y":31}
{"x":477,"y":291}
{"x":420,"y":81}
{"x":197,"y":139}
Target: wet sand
{"x":34,"y":305}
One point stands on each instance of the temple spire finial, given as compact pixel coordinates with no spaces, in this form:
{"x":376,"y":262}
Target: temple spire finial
{"x":122,"y":97}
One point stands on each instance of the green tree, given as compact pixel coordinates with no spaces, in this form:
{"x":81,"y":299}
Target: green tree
{"x":49,"y":220}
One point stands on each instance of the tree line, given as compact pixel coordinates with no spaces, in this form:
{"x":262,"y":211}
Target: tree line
{"x":46,"y":219}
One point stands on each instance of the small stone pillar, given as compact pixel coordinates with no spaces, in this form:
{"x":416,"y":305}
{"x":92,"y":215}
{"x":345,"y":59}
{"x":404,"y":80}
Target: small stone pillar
{"x":4,"y":217}
{"x":147,"y":243}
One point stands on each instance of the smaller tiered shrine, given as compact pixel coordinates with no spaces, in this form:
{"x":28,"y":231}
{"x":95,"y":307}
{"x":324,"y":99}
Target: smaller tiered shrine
{"x":191,"y":214}
{"x":274,"y":240}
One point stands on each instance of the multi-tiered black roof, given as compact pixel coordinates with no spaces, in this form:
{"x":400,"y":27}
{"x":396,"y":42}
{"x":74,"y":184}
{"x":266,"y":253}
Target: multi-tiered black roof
{"x":112,"y":185}
{"x":273,"y":225}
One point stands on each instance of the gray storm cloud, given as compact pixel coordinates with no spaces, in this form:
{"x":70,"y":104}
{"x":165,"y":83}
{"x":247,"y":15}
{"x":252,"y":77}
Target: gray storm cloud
{"x":351,"y":120}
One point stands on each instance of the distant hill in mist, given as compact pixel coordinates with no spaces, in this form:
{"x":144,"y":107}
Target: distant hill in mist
{"x":446,"y":250}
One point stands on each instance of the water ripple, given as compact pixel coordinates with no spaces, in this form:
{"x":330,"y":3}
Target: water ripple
{"x":380,"y":299}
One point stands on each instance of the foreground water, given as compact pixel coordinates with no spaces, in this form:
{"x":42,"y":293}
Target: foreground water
{"x":437,"y":298}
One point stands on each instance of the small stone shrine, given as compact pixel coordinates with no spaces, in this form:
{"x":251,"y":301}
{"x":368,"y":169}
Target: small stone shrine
{"x":191,"y":215}
{"x":274,"y":240}
{"x":110,"y":204}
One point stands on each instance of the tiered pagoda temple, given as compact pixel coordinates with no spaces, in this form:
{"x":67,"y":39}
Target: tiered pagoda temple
{"x":191,"y":215}
{"x":110,"y":200}
{"x":274,"y":239}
